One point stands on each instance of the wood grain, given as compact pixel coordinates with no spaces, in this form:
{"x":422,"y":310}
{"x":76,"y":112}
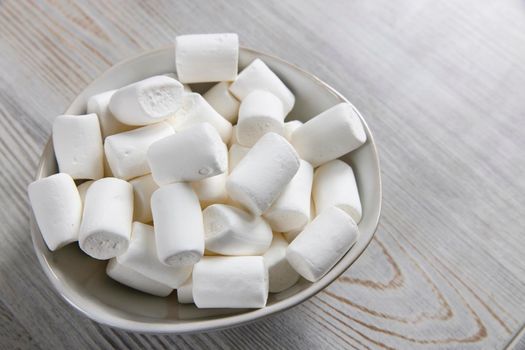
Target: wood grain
{"x":441,"y":84}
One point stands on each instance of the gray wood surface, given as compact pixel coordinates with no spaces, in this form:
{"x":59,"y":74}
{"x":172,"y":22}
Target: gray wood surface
{"x":441,"y":84}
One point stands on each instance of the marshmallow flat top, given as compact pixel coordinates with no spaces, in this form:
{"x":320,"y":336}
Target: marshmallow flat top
{"x":192,"y":154}
{"x":230,"y":282}
{"x":322,"y":243}
{"x":257,"y":76}
{"x":281,"y":275}
{"x":201,"y":58}
{"x":142,"y":257}
{"x":143,"y":188}
{"x":57,"y":208}
{"x":78,"y":146}
{"x":220,"y":98}
{"x":109,"y":125}
{"x":262,"y":175}
{"x":329,"y":135}
{"x":147,"y":101}
{"x":185,"y":292}
{"x":335,"y":185}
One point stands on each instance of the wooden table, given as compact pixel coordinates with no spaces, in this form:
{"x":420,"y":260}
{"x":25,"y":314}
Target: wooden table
{"x":441,"y":84}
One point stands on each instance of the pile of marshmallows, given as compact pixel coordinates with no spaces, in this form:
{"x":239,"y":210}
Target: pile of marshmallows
{"x":222,"y":216}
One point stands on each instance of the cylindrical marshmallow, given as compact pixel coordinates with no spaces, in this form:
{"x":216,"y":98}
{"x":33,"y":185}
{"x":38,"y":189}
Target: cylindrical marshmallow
{"x":257,"y":76}
{"x":281,"y":275}
{"x":106,"y":222}
{"x":292,"y":209}
{"x":236,"y":154}
{"x":190,"y":155}
{"x":143,"y":188}
{"x":57,"y":208}
{"x":109,"y":125}
{"x":220,"y":98}
{"x":142,"y":257}
{"x":322,"y":243}
{"x":126,"y":152}
{"x":201,"y":58}
{"x":82,"y":189}
{"x":260,"y":112}
{"x":147,"y":101}
{"x":329,"y":135}
{"x":78,"y":146}
{"x":232,"y":231}
{"x":136,"y":280}
{"x":290,"y":127}
{"x":195,"y":109}
{"x":334,"y":185}
{"x":211,"y":190}
{"x":263,"y":173}
{"x":179,"y":230}
{"x":290,"y":235}
{"x":230,"y":282}
{"x":185,"y":292}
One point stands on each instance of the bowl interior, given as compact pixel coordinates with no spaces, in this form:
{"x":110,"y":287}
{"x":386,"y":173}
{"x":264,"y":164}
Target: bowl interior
{"x":82,"y":281}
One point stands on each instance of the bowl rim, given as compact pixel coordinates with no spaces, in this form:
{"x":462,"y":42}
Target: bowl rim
{"x":218,"y":323}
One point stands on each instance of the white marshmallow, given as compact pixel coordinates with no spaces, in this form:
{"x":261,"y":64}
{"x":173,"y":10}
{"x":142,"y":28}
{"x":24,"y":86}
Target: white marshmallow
{"x":260,"y":112}
{"x":290,"y":127}
{"x":257,"y":76}
{"x":196,"y":110}
{"x":178,"y":223}
{"x":230,"y":282}
{"x":334,"y":185}
{"x":211,"y":190}
{"x":78,"y":146}
{"x":220,"y":98}
{"x":190,"y":155}
{"x":107,"y":168}
{"x":136,"y":280}
{"x":143,"y":188}
{"x":147,"y":101}
{"x":329,"y":135}
{"x":109,"y":125}
{"x":280,"y":274}
{"x":290,"y":235}
{"x":186,"y":87}
{"x":201,"y":58}
{"x":232,"y":231}
{"x":106,"y":221}
{"x":57,"y":208}
{"x":142,"y":257}
{"x":262,"y":175}
{"x":185,"y":292}
{"x":233,"y":138}
{"x":82,"y":189}
{"x":322,"y":243}
{"x":292,"y":209}
{"x":126,"y":152}
{"x":236,"y":154}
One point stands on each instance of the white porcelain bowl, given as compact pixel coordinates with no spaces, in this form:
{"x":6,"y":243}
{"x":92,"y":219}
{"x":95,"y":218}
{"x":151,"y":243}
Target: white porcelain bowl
{"x":82,"y":281}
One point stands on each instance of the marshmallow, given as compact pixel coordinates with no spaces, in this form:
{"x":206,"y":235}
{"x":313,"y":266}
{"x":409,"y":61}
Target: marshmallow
{"x":135,"y":280}
{"x":211,"y":190}
{"x":109,"y":125}
{"x":292,"y":209}
{"x":230,"y":282}
{"x":236,"y":154}
{"x":185,"y":292}
{"x":261,"y":176}
{"x":57,"y":208}
{"x":233,"y":138}
{"x":189,"y":155}
{"x":290,"y":235}
{"x":260,"y":112}
{"x":126,"y":152}
{"x":107,"y":168}
{"x":201,"y":58}
{"x":106,"y":222}
{"x":232,"y":231}
{"x":322,"y":243}
{"x":78,"y":146}
{"x":82,"y":190}
{"x":334,"y":185}
{"x":185,"y":87}
{"x":220,"y":98}
{"x":329,"y":135}
{"x":143,"y":188}
{"x":257,"y":76}
{"x":147,"y":101}
{"x":179,"y":229}
{"x":142,"y":257}
{"x":281,"y":275}
{"x":290,"y":127}
{"x":196,"y":110}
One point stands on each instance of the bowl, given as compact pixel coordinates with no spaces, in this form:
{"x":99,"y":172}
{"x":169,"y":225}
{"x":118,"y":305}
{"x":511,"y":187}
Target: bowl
{"x":82,"y":281}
